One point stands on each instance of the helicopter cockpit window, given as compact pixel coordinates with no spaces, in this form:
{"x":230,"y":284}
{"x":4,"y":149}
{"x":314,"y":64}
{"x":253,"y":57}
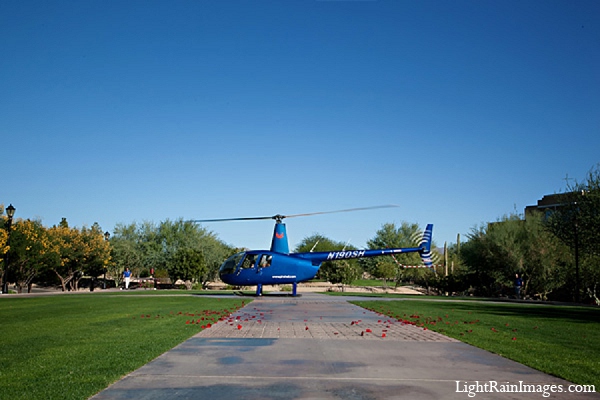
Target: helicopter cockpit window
{"x":229,"y":266}
{"x":249,"y":261}
{"x":265,"y":260}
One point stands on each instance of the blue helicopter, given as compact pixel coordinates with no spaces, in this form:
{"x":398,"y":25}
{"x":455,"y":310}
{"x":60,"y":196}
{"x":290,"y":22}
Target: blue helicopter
{"x":278,"y":266}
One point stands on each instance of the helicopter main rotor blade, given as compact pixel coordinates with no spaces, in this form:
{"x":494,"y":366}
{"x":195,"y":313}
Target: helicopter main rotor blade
{"x":231,"y":219}
{"x":340,"y":211}
{"x":279,"y":217}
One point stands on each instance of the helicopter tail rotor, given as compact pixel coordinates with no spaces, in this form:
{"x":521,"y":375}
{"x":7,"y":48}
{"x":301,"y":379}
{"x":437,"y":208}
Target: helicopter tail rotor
{"x":425,"y":252}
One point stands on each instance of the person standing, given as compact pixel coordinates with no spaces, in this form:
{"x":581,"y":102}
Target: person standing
{"x":127,"y":277}
{"x":518,"y":286}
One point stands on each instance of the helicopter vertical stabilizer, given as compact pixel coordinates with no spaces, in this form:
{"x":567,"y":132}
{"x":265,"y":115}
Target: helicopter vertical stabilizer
{"x":425,"y":251}
{"x":279,"y":243}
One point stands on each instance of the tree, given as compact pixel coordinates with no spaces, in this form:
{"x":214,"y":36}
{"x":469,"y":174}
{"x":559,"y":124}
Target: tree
{"x":65,"y":242}
{"x":63,"y":253}
{"x":214,"y":252}
{"x":385,"y":268}
{"x":575,"y":222}
{"x":545,"y":259}
{"x":174,"y":235}
{"x":186,"y":264}
{"x":77,"y":252}
{"x":496,"y":252}
{"x":3,"y":246}
{"x":391,"y":236}
{"x":150,"y":249}
{"x":129,"y":250}
{"x":30,"y":252}
{"x":3,"y":237}
{"x":342,"y":272}
{"x":336,"y":272}
{"x":146,"y":246}
{"x":96,"y":251}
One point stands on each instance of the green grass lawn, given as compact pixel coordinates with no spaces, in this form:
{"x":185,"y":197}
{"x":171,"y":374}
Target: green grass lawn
{"x":73,"y":346}
{"x":370,"y":282}
{"x":560,"y":340}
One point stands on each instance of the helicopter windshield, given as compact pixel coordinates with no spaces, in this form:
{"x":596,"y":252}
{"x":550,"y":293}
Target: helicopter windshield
{"x":229,"y":266}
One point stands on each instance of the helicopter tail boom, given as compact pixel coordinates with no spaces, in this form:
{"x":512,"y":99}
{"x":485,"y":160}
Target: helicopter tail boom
{"x":424,"y":251}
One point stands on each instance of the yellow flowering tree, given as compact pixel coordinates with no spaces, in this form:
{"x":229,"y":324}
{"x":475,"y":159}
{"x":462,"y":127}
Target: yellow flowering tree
{"x":3,"y":240}
{"x":66,"y":268}
{"x":80,"y":252}
{"x":3,"y":234}
{"x":30,"y":253}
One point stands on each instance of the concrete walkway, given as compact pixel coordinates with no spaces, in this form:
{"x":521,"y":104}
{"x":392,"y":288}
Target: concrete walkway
{"x":322,"y":347}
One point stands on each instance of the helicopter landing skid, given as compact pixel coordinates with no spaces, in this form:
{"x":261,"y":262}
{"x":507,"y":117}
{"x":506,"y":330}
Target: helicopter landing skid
{"x":279,"y":294}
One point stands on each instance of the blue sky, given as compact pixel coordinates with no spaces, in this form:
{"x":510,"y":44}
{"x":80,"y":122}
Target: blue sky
{"x":458,"y":112}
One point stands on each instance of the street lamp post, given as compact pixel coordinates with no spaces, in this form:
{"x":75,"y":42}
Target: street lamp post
{"x":10,"y":212}
{"x":106,"y":237}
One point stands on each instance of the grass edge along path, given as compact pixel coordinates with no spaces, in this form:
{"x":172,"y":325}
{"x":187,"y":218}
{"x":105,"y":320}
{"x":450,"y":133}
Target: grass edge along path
{"x":72,"y":347}
{"x":563,"y":341}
